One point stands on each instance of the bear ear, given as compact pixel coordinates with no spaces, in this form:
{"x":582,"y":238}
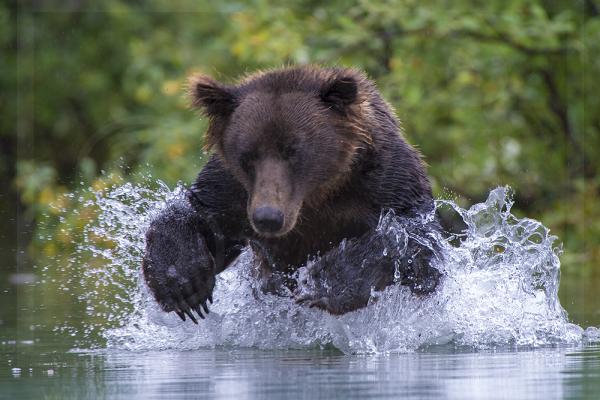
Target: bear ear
{"x":340,"y":92}
{"x":214,"y":98}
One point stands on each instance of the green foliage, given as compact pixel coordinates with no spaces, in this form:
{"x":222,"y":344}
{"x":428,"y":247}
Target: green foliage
{"x":493,"y":93}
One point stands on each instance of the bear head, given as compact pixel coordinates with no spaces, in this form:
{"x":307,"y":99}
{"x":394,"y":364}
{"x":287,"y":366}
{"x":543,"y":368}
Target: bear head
{"x":289,"y":136}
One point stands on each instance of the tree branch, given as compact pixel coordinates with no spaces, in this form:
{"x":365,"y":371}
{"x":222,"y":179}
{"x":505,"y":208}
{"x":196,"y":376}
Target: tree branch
{"x":559,"y":108}
{"x":502,"y":38}
{"x":386,"y":37}
{"x":591,"y":8}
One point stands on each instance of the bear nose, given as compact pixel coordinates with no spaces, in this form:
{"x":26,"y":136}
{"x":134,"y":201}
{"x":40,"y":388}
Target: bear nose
{"x":267,"y":219}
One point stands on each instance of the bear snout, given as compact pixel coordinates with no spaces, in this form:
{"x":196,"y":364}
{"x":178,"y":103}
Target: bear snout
{"x":267,"y":219}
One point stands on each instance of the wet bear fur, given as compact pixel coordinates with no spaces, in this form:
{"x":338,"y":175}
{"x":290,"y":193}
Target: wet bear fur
{"x":304,"y":160}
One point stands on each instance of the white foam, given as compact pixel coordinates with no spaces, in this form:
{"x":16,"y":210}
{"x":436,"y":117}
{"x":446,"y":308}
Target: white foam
{"x":500,"y":288}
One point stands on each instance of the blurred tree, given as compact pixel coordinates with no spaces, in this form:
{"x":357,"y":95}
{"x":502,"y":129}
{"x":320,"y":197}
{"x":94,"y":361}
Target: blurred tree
{"x":494,"y":93}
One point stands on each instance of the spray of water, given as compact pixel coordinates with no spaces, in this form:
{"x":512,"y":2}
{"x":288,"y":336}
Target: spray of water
{"x":500,"y":288}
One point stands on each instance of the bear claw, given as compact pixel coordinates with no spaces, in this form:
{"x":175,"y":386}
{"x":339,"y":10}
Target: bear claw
{"x":180,"y":314}
{"x":189,"y":314}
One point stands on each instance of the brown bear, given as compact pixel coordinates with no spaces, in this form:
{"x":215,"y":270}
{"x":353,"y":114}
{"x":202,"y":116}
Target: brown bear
{"x":304,"y":161}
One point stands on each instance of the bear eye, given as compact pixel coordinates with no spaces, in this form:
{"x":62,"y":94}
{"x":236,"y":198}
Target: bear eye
{"x":246,"y":162}
{"x":286,"y":151}
{"x":289,"y":152}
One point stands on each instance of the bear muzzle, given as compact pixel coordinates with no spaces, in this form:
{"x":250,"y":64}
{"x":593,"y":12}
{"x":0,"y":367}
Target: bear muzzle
{"x":273,"y":204}
{"x":267,"y":220}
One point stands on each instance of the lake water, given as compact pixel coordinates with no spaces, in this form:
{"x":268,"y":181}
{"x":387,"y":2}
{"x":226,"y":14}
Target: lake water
{"x":443,"y":372}
{"x":82,"y":325}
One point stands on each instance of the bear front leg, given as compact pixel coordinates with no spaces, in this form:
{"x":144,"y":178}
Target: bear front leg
{"x":343,"y":279}
{"x":178,"y":266}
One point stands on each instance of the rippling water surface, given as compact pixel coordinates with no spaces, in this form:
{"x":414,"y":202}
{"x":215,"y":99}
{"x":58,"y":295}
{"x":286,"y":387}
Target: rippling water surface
{"x":443,"y":372}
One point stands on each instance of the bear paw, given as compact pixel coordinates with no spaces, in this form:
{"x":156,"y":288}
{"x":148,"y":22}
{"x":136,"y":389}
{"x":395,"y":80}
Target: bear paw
{"x":178,"y":267}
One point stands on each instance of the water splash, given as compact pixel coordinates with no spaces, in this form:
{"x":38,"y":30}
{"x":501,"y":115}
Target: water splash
{"x":500,"y":288}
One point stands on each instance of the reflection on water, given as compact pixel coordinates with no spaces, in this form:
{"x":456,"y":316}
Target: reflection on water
{"x":548,"y":373}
